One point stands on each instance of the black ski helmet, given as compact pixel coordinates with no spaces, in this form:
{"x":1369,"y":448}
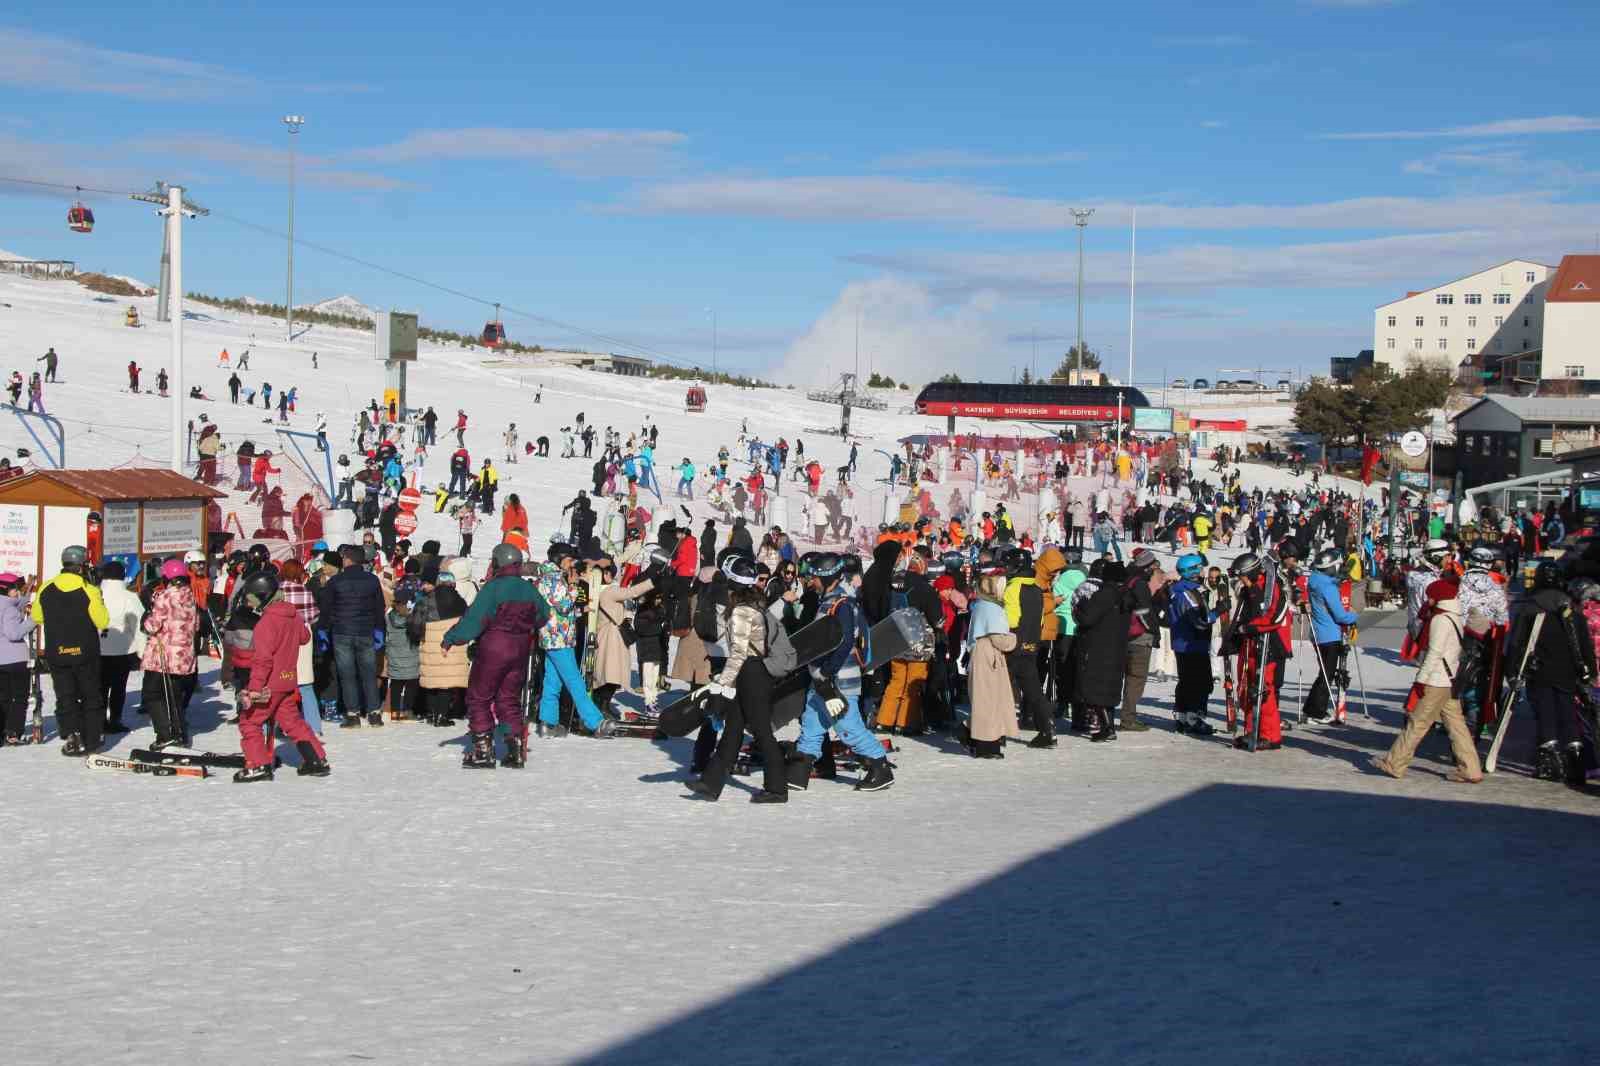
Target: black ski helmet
{"x":506,"y":557}
{"x":1481,"y":558}
{"x":1018,"y":562}
{"x":952,"y":562}
{"x":850,"y":564}
{"x":74,"y":555}
{"x":1547,"y":575}
{"x":1328,"y":560}
{"x":259,"y":555}
{"x":739,"y":568}
{"x":1246,"y":565}
{"x":828,"y":566}
{"x":261,"y":586}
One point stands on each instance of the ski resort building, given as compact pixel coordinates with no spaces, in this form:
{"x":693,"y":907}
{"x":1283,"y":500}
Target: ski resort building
{"x":1483,"y":317}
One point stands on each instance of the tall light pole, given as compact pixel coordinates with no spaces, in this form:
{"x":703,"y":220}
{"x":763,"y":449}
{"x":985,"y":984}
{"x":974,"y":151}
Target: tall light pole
{"x":712,"y":312}
{"x":1081,"y":214}
{"x":293,"y":122}
{"x":174,"y":208}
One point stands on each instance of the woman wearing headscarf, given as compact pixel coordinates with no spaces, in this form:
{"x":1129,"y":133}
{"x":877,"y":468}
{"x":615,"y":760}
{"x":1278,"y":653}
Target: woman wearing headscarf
{"x":989,"y":638}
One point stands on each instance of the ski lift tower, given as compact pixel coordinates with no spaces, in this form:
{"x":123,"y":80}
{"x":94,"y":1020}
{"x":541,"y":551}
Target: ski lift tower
{"x":845,"y":395}
{"x":174,"y":207}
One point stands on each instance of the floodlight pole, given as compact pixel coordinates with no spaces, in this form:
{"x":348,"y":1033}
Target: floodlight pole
{"x":1081,"y":214}
{"x":293,"y":122}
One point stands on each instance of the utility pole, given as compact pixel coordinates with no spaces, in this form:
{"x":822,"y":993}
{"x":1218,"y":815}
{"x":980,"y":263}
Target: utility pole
{"x":293,"y":122}
{"x":712,"y":312}
{"x":858,"y":340}
{"x":1133,"y":259}
{"x":175,"y":207}
{"x":1081,"y":214}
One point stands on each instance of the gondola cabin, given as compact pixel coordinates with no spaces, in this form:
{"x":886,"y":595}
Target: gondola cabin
{"x":694,"y":401}
{"x":80,"y":219}
{"x":494,"y":335}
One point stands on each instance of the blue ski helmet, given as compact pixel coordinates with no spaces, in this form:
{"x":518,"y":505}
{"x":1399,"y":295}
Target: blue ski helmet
{"x":1191,"y":565}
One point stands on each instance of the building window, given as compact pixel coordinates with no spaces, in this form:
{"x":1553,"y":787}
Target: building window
{"x":1513,"y":446}
{"x":1544,"y":448}
{"x":1525,"y":322}
{"x":1499,"y":320}
{"x":1443,"y":298}
{"x":1416,"y":344}
{"x":1495,"y":344}
{"x":1524,"y":347}
{"x":1528,"y":276}
{"x":1573,"y":371}
{"x":1502,"y":297}
{"x":1419,"y":320}
{"x":1472,"y":345}
{"x":1472,"y":321}
{"x":1472,"y":298}
{"x":1444,"y":344}
{"x":1470,"y":443}
{"x":1391,"y":321}
{"x":1391,"y":344}
{"x":1444,"y":321}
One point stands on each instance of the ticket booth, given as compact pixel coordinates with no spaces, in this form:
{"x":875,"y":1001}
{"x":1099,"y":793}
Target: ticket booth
{"x":134,"y":516}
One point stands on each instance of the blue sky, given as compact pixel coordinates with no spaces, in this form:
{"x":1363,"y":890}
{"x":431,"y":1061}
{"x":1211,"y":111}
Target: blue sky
{"x":1293,"y":164}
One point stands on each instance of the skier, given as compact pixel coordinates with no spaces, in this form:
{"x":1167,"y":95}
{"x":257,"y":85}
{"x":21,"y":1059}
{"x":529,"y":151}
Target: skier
{"x":161,"y":381}
{"x":270,"y":699}
{"x":430,"y":426}
{"x":511,"y":443}
{"x":583,"y":518}
{"x":834,"y":701}
{"x":1191,"y":616}
{"x":488,"y":481}
{"x":1483,"y":591}
{"x":14,"y":387}
{"x":1260,"y":639}
{"x":50,"y":360}
{"x":169,"y":656}
{"x":1561,"y":666}
{"x":133,"y":376}
{"x":1329,"y":620}
{"x":460,"y":472}
{"x":73,"y":614}
{"x":1423,"y":574}
{"x":461,"y":428}
{"x":266,"y":395}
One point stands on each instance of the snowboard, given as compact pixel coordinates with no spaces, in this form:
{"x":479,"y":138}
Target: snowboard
{"x":213,"y":759}
{"x":130,"y":766}
{"x":1508,"y":697}
{"x":683,"y":716}
{"x":903,"y":636}
{"x":792,"y":651}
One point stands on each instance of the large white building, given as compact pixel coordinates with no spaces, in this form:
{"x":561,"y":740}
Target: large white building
{"x":1491,"y":314}
{"x":1571,"y":346}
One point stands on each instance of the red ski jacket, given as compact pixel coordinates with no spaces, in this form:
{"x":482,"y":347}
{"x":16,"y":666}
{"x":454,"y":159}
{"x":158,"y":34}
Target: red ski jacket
{"x":278,"y":637}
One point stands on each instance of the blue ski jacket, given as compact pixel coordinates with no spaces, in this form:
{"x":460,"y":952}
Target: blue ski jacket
{"x":1328,"y":612}
{"x":1189,"y":617}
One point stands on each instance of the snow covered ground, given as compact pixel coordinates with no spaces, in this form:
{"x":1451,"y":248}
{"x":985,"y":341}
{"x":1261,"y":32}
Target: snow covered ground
{"x":1162,"y":899}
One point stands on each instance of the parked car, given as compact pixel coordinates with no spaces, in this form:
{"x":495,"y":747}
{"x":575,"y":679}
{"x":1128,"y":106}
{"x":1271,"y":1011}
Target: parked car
{"x":1223,"y":384}
{"x":1250,"y":386}
{"x":1284,"y":384}
{"x":1179,"y":383}
{"x":1201,"y":383}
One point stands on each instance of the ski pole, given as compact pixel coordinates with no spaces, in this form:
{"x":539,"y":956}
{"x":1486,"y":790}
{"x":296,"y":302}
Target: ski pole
{"x":1355,"y":650}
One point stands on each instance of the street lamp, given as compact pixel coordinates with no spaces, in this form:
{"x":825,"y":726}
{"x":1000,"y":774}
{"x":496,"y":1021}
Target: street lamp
{"x":1081,"y":214}
{"x":293,"y":122}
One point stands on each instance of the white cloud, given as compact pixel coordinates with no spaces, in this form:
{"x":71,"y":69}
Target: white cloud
{"x":40,"y":61}
{"x":905,"y":332}
{"x":267,"y":163}
{"x":959,"y":159}
{"x":577,"y":150}
{"x":1505,"y":127}
{"x":959,"y":205}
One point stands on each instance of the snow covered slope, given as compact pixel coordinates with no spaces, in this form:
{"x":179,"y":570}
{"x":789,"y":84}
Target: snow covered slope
{"x":348,"y":306}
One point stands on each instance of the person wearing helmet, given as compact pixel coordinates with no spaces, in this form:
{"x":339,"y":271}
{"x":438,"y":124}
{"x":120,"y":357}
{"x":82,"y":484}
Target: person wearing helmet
{"x":270,"y":698}
{"x":835,"y":698}
{"x":1191,"y":616}
{"x":119,"y":641}
{"x":73,"y":613}
{"x":1423,"y":573}
{"x":168,"y":660}
{"x":1561,"y":664}
{"x":557,"y":586}
{"x":1483,"y":594}
{"x":1330,"y":619}
{"x":352,"y":606}
{"x":502,"y":620}
{"x":1260,"y":638}
{"x":1437,"y":676}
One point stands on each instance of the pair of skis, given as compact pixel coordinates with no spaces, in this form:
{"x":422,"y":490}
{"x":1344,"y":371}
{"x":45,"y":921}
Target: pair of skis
{"x":116,"y":764}
{"x":1510,"y":695}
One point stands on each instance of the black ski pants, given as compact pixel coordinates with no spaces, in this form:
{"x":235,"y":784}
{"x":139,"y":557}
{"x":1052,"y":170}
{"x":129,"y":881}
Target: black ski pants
{"x":1557,"y":714}
{"x":1332,"y":659}
{"x":14,"y":697}
{"x":80,"y":707}
{"x":1022,"y":663}
{"x":114,"y":671}
{"x":165,"y":696}
{"x":751,"y":711}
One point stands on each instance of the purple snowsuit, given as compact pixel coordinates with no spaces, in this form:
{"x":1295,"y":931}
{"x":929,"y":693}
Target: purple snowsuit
{"x":503,"y":620}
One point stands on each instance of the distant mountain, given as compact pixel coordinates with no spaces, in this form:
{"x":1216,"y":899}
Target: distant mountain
{"x":348,"y":306}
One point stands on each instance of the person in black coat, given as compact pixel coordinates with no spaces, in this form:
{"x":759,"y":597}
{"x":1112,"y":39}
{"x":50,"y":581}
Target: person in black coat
{"x":386,"y":529}
{"x":1100,"y":646}
{"x":708,"y":543}
{"x":875,"y":582}
{"x":740,"y":537}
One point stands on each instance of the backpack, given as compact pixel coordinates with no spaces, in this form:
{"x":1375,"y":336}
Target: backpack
{"x":708,"y":608}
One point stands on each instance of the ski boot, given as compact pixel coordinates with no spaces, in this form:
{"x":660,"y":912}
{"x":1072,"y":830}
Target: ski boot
{"x":516,"y":756}
{"x":1043,"y":739}
{"x":878,"y":776}
{"x":72,"y":747}
{"x":311,"y":764}
{"x":700,"y":788}
{"x":350,"y":721}
{"x":552,"y":732}
{"x":1105,"y":726}
{"x":252,"y":774}
{"x":1572,"y":765}
{"x":480,"y":755}
{"x":1547,"y":762}
{"x":1197,"y":726}
{"x":769,"y":797}
{"x":374,"y":717}
{"x":798,"y":770}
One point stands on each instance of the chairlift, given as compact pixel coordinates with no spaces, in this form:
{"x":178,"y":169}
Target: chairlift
{"x":494,"y":334}
{"x":79,"y":218}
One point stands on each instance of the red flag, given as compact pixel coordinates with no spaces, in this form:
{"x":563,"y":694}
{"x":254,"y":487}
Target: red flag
{"x":1369,"y":462}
